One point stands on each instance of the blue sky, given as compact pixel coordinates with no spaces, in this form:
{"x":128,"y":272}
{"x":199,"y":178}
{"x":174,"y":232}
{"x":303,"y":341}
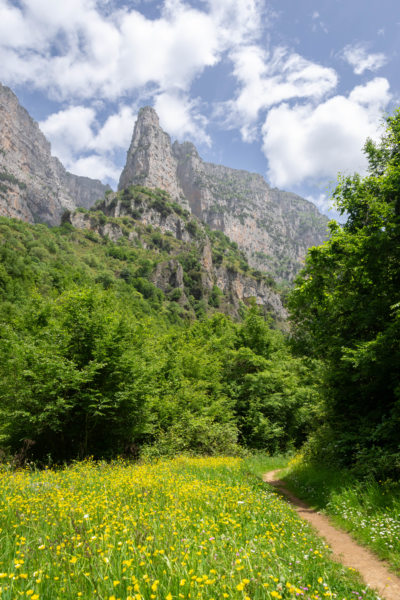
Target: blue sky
{"x":287,"y":88}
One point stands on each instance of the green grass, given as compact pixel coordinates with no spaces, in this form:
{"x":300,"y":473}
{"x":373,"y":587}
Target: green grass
{"x":187,"y":528}
{"x":368,"y":509}
{"x":258,"y":464}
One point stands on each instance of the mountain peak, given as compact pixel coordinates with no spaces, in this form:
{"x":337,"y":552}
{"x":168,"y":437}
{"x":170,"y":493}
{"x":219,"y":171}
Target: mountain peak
{"x":150,"y":161}
{"x":148,"y":113}
{"x":274,"y":228}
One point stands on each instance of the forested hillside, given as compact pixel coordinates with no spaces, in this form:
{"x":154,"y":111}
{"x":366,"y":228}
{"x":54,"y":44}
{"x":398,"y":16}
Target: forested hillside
{"x":96,"y":360}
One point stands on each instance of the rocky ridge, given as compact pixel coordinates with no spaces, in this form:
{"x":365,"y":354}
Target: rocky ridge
{"x":273,"y":227}
{"x":201,"y":265}
{"x":34,"y":185}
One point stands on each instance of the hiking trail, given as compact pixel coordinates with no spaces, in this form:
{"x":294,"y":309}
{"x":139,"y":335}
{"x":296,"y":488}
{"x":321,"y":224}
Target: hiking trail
{"x":346,"y":550}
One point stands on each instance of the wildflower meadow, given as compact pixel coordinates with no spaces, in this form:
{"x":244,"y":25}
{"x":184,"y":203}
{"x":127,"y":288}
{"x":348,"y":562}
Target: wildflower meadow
{"x":199,"y":528}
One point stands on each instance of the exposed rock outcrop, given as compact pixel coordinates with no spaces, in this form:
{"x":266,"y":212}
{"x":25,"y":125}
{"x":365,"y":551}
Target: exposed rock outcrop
{"x":34,"y":186}
{"x":141,"y":218}
{"x":274,"y":228}
{"x":150,"y":161}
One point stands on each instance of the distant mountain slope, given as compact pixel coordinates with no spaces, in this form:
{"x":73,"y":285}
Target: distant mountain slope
{"x":34,"y":186}
{"x":273,"y":227}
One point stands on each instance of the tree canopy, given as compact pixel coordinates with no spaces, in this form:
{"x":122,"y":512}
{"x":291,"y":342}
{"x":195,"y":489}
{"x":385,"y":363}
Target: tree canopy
{"x":97,"y":361}
{"x":345,"y":310}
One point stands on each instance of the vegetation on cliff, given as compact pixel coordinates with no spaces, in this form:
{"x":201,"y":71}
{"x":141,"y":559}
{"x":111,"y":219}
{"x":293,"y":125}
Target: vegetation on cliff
{"x":96,"y":360}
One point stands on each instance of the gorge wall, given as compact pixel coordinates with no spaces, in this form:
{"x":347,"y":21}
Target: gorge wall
{"x":193,"y":262}
{"x":34,"y":185}
{"x":273,"y":228}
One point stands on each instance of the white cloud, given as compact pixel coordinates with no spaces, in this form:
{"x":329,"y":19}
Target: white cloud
{"x":358,"y":57}
{"x":69,"y":131}
{"x":80,"y":142}
{"x":167,"y":52}
{"x":96,"y":167}
{"x":375,"y":94}
{"x":268,"y":78}
{"x":181,"y":118}
{"x":116,"y":133}
{"x":78,"y":51}
{"x":308,"y":143}
{"x":14,"y":29}
{"x":239,"y":21}
{"x":93,"y":52}
{"x":91,"y":49}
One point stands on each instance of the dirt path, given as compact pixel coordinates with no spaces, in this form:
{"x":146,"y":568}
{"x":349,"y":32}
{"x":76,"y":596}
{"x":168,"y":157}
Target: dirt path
{"x":374,"y":571}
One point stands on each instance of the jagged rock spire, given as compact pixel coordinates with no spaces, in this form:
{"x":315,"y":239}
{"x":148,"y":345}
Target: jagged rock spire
{"x":273,"y":228}
{"x":150,"y":160}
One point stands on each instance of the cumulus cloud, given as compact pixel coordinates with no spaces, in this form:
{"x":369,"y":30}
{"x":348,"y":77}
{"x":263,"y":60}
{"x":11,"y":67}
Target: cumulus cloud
{"x":96,"y":49}
{"x":81,"y":142}
{"x":96,"y":167}
{"x":69,"y":131}
{"x":79,"y":51}
{"x":116,"y":132}
{"x":181,"y":118}
{"x":94,"y":54}
{"x":167,"y":52}
{"x":361,"y":60}
{"x":238,"y":21}
{"x":308,"y":142}
{"x":268,"y":78}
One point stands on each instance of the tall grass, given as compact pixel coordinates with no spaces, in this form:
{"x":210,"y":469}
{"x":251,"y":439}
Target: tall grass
{"x":260,"y":463}
{"x":368,"y":509}
{"x":203,"y":529}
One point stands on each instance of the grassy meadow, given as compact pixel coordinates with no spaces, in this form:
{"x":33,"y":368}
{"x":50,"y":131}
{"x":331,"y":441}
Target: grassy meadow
{"x":183,"y":528}
{"x":368,"y":509}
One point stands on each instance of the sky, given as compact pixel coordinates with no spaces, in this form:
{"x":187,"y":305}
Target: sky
{"x":290,"y":89}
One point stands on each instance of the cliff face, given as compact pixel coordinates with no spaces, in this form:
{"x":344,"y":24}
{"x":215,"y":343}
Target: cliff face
{"x":34,"y":186}
{"x":150,"y":161}
{"x":273,"y":227}
{"x":201,"y":265}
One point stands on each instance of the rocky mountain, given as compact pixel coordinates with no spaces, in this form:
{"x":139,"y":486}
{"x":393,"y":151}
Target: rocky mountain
{"x":273,"y":227}
{"x":34,"y":185}
{"x":197,"y":267}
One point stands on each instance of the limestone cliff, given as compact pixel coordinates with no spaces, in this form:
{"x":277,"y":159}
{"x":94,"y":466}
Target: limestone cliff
{"x":150,"y":161}
{"x":273,"y":227}
{"x":195,"y":264}
{"x":34,"y":186}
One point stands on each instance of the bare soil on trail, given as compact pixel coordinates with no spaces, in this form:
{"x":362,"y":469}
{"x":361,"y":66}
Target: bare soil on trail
{"x":374,"y":571}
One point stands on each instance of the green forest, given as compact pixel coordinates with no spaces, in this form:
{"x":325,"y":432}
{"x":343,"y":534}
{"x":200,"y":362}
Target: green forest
{"x":95,"y":360}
